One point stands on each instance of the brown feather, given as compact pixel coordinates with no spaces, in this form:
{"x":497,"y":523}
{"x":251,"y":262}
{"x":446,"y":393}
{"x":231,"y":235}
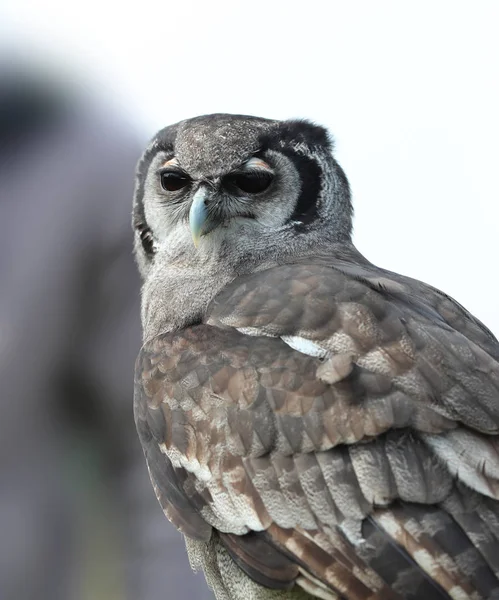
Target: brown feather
{"x":365,"y":473}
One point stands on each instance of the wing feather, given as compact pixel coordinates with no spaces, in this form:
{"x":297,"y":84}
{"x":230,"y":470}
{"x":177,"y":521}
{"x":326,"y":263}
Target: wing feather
{"x":350,"y":468}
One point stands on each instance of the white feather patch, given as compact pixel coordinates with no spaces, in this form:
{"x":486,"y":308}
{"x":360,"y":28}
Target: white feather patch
{"x":304,"y":346}
{"x":314,"y":586}
{"x":202,"y":472}
{"x":253,"y":331}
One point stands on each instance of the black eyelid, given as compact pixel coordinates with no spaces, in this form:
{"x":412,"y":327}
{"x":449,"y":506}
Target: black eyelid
{"x":253,"y":181}
{"x":173,"y":171}
{"x":255,"y":172}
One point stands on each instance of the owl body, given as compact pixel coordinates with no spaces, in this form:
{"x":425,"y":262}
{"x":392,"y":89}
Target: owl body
{"x":316,"y":426}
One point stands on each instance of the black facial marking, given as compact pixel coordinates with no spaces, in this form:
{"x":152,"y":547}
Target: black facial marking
{"x":146,"y":239}
{"x":306,"y":210}
{"x":139,"y":216}
{"x":285,"y":138}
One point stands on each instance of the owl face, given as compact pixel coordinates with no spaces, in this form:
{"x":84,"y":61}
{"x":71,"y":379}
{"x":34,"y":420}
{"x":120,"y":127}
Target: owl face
{"x":228,"y":185}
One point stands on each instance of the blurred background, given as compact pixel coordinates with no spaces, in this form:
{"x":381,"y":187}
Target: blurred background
{"x":410,"y":92}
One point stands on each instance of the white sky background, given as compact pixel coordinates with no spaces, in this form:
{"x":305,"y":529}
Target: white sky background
{"x":410,"y":90}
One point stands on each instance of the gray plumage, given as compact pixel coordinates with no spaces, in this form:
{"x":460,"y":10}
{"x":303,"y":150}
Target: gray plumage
{"x":315,"y":425}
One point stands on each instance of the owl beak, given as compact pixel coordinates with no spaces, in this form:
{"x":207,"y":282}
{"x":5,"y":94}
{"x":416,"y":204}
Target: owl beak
{"x":200,"y":221}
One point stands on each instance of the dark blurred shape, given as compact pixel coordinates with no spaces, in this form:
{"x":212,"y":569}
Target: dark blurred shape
{"x":78,"y":518}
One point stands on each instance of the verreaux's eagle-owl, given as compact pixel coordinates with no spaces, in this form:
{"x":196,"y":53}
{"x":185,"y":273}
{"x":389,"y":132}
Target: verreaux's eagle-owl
{"x":315,"y":425}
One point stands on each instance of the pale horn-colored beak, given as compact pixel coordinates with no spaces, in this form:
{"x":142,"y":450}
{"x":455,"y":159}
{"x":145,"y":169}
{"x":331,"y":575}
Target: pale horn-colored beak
{"x":199,"y":219}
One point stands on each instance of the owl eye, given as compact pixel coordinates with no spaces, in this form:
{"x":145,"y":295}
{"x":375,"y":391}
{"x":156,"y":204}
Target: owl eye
{"x":252,"y":183}
{"x":172,"y":181}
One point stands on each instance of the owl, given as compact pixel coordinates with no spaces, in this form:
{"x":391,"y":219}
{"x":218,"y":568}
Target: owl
{"x":315,"y":426}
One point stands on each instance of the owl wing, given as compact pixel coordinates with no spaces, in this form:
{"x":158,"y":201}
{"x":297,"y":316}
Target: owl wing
{"x":337,"y":427}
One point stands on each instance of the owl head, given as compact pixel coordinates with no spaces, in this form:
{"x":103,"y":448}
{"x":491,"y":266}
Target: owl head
{"x":237,"y":190}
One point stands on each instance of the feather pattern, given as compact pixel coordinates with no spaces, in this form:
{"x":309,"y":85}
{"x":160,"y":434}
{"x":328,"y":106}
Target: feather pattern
{"x":367,"y":468}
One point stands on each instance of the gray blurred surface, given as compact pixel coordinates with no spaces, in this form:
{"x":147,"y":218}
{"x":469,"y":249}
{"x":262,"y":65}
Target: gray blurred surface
{"x":78,"y":517}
